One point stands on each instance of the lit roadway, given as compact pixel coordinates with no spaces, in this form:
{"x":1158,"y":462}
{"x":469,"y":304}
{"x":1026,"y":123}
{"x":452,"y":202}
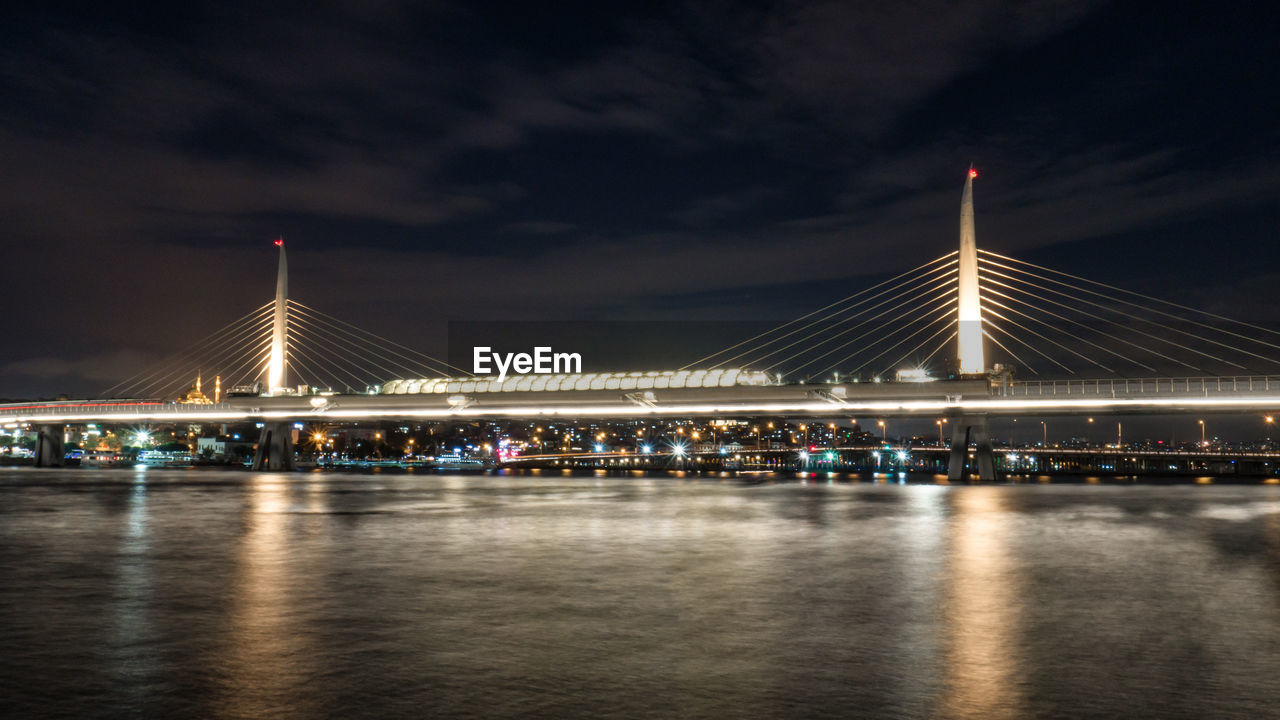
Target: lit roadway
{"x":955,"y":397}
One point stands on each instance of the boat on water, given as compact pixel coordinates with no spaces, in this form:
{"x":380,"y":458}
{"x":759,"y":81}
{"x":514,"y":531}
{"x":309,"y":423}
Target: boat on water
{"x":458,"y":462}
{"x":103,"y":459}
{"x":166,"y":458}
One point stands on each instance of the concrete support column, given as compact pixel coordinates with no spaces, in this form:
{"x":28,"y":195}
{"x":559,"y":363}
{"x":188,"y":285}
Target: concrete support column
{"x":959,"y":452}
{"x":50,"y":446}
{"x":275,"y":448}
{"x":971,"y":428}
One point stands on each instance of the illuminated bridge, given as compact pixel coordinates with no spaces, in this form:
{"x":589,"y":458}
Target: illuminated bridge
{"x":1080,"y":347}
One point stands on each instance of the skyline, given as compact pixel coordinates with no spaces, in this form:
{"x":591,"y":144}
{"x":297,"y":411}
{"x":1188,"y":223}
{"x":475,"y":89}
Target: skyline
{"x":676,"y":164}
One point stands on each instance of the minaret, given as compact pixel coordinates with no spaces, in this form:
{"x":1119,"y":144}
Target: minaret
{"x":279,"y":329}
{"x":969,"y":313}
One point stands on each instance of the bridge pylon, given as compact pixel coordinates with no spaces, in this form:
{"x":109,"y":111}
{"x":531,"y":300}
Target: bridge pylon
{"x":973,"y":428}
{"x":969,"y":354}
{"x":277,"y":373}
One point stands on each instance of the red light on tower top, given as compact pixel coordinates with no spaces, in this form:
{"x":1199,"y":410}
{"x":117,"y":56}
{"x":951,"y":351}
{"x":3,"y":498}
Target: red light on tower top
{"x":279,"y":242}
{"x":973,"y":173}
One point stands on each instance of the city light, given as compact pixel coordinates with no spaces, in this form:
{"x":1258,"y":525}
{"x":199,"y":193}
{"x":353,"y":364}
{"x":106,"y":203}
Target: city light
{"x":915,"y":375}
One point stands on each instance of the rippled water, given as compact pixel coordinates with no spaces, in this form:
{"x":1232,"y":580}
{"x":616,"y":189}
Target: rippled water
{"x":209,"y":594}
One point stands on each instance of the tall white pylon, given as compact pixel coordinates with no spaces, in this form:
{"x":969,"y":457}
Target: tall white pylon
{"x":969,"y":311}
{"x":279,"y":329}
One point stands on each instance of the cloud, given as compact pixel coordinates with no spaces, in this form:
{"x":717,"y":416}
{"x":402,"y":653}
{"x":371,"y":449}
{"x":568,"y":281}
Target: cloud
{"x":860,"y":65}
{"x":540,"y":227}
{"x":106,"y":368}
{"x":337,"y":113}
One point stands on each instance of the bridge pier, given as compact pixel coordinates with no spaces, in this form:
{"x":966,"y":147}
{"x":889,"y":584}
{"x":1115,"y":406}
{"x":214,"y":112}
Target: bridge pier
{"x":50,"y":446}
{"x":971,"y":428}
{"x":275,"y":448}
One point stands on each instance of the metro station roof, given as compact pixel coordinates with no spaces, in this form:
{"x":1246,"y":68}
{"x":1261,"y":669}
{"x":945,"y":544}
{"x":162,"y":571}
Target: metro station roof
{"x":581,"y":381}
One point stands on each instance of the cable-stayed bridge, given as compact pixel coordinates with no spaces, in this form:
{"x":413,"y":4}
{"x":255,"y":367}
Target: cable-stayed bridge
{"x":942,"y":339}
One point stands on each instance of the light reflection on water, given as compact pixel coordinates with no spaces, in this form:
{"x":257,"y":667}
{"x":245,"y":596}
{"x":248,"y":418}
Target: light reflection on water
{"x":132,"y":590}
{"x":266,"y":655}
{"x":210,"y":594}
{"x":983,"y":594}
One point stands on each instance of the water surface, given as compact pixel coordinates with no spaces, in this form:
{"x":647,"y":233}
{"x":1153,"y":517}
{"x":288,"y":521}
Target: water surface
{"x":240,"y":595}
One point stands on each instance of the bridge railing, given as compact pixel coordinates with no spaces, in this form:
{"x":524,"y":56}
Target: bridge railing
{"x":1205,"y":386}
{"x":107,"y":409}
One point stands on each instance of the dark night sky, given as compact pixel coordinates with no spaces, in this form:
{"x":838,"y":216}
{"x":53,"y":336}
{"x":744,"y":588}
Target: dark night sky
{"x":710,"y":161}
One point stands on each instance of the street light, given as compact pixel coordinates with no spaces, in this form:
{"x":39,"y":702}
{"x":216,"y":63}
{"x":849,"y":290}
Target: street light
{"x":884,"y":430}
{"x":939,"y":424}
{"x":1045,"y":428}
{"x":1202,"y":442}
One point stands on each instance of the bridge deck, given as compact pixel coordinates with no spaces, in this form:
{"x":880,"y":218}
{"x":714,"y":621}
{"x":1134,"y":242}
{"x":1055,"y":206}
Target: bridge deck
{"x":1165,"y":395}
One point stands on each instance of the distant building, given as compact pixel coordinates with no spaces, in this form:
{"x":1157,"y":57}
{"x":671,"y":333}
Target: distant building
{"x":194,"y":396}
{"x":215,"y":446}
